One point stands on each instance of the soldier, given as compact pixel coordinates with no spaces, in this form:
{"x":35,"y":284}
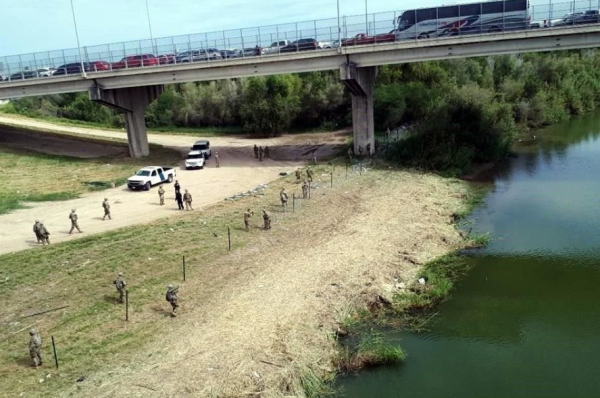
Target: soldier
{"x":305,"y":190}
{"x":35,"y":347}
{"x":260,"y":153}
{"x":283,"y":197}
{"x":179,"y":199}
{"x":360,"y":151}
{"x":387,"y":135}
{"x":267,"y":219}
{"x":161,"y":195}
{"x":350,"y":153}
{"x":44,"y":234}
{"x":177,"y":186}
{"x":36,"y":231}
{"x":309,"y":174}
{"x":267,"y":154}
{"x":247,"y":216}
{"x":187,"y":198}
{"x":369,"y":149}
{"x":217,"y":159}
{"x":173,"y":297}
{"x":298,"y":175}
{"x":314,"y":158}
{"x":120,"y":285}
{"x":106,"y":207}
{"x":255,"y":151}
{"x":73,"y":218}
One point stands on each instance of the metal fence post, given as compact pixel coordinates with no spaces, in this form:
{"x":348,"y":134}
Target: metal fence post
{"x":35,"y":63}
{"x":277,"y":33}
{"x":55,"y":354}
{"x":315,"y":25}
{"x":184,"y":268}
{"x":126,"y":305}
{"x":242,"y":37}
{"x":229,"y":238}
{"x":293,"y":202}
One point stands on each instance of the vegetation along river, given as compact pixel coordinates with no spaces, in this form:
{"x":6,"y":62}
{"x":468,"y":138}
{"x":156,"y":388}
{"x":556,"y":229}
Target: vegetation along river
{"x":525,"y":321}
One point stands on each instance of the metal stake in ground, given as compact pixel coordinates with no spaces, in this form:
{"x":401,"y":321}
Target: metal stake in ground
{"x":332,"y":179}
{"x":126,"y":305}
{"x":293,"y":202}
{"x":55,"y":355}
{"x":229,"y":238}
{"x":184,"y":268}
{"x":309,"y":189}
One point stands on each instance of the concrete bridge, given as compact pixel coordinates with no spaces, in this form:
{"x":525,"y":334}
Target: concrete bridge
{"x":131,"y":90}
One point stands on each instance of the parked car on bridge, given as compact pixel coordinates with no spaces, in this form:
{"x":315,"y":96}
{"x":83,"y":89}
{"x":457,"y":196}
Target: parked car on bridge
{"x":26,"y":74}
{"x":253,"y":51}
{"x":46,"y":72}
{"x":136,"y":61}
{"x":361,"y":39}
{"x":324,"y":44}
{"x":234,"y":53}
{"x":72,"y":69}
{"x":301,"y":45}
{"x":577,"y":18}
{"x":99,"y":66}
{"x":210,"y":54}
{"x":166,"y":59}
{"x":276,"y":46}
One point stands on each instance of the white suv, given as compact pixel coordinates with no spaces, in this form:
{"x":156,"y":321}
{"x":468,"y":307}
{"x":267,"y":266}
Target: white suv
{"x":194,"y":160}
{"x":202,"y":146}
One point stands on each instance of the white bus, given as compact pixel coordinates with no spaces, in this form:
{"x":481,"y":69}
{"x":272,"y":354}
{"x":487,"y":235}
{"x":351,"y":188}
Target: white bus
{"x":471,"y":18}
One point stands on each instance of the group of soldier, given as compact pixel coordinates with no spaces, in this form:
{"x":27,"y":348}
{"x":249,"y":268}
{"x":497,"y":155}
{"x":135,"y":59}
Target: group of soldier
{"x":260,"y":152}
{"x":43,"y":236}
{"x":35,"y":340}
{"x":179,"y":198}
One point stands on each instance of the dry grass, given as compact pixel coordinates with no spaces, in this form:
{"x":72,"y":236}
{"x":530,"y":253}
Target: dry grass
{"x":256,"y":321}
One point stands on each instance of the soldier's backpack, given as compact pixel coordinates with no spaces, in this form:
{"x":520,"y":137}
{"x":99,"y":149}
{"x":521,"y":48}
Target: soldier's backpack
{"x":168,"y":297}
{"x":119,"y":284}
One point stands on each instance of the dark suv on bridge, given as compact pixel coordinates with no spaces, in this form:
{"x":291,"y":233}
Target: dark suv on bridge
{"x":300,"y":45}
{"x":72,"y":69}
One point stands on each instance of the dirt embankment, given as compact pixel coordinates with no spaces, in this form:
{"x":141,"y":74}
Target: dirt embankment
{"x":254,"y":322}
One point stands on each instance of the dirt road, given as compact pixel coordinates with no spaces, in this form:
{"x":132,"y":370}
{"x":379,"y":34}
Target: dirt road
{"x":239,"y":172}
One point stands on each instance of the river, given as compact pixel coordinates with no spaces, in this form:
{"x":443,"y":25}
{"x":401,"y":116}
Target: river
{"x":525,"y":321}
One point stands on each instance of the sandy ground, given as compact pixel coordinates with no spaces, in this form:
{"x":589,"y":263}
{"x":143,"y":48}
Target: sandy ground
{"x":239,"y":172}
{"x":267,"y":316}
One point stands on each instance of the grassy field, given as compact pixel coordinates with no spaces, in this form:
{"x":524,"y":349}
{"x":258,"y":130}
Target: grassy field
{"x":70,"y":177}
{"x":91,"y":334}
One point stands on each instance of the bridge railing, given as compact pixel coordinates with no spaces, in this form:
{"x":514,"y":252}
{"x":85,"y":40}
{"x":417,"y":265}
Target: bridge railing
{"x":255,"y":41}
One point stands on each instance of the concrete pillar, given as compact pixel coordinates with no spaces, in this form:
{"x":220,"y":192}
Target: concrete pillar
{"x":131,"y":101}
{"x":360,"y":82}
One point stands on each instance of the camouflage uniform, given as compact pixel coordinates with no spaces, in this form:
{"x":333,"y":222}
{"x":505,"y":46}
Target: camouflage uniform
{"x":283,"y":197}
{"x":304,"y":190}
{"x":247,"y":216}
{"x":360,"y":151}
{"x":267,"y":219}
{"x":255,"y":151}
{"x":350,"y":153}
{"x":298,"y":174}
{"x":120,"y":284}
{"x":309,"y":174}
{"x":161,"y":195}
{"x":106,"y":207}
{"x":36,"y":231}
{"x":187,"y":198}
{"x":73,"y":218}
{"x":44,"y":234}
{"x":35,"y":347}
{"x":267,"y":153}
{"x":217,"y":160}
{"x":369,"y":149}
{"x":260,"y":153}
{"x":173,"y":298}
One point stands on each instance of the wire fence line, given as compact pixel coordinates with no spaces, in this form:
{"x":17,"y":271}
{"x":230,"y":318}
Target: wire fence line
{"x":249,"y":42}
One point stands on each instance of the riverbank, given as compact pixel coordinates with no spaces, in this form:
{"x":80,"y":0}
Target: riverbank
{"x":259,"y":320}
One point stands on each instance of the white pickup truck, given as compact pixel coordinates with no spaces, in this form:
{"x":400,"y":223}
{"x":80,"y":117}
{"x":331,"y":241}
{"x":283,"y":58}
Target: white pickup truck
{"x":152,"y":175}
{"x":276,"y":47}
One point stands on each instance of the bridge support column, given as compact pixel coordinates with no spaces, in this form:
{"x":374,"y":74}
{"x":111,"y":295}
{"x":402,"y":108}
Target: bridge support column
{"x":132,"y":102}
{"x":360,"y":82}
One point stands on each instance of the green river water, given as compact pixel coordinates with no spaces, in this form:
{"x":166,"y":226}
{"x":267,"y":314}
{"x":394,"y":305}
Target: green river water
{"x":525,"y":321}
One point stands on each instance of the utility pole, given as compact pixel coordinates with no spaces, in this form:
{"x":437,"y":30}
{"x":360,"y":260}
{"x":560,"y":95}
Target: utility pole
{"x":77,"y":36}
{"x":150,"y":27}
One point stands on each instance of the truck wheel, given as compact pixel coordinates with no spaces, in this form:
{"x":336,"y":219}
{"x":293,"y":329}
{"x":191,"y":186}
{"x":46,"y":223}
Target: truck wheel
{"x":170,"y":179}
{"x":147,"y":186}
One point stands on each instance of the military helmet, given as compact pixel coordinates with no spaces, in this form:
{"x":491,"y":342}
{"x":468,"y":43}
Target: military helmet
{"x":32,"y":331}
{"x":120,"y":274}
{"x":105,"y":198}
{"x":37,"y":220}
{"x":170,"y":286}
{"x":73,"y":209}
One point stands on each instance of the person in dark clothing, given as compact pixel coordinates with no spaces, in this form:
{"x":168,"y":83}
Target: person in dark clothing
{"x":179,"y":199}
{"x":177,"y":186}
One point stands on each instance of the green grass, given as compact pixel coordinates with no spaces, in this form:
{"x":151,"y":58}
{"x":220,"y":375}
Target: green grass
{"x":369,"y":350}
{"x":41,"y":177}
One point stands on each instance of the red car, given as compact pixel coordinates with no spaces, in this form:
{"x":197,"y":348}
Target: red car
{"x":362,"y":38}
{"x":166,"y":59}
{"x":135,"y":61}
{"x":98,"y":66}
